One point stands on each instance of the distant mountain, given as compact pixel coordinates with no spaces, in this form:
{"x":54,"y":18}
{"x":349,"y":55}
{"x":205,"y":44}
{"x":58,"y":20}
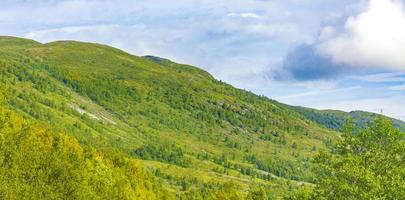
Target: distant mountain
{"x":335,"y":120}
{"x":112,"y":125}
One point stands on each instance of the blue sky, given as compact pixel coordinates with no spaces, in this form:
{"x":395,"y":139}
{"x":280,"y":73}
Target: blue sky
{"x":335,"y":54}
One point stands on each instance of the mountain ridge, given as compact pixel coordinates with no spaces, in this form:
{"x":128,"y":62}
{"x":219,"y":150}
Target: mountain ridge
{"x":335,"y":119}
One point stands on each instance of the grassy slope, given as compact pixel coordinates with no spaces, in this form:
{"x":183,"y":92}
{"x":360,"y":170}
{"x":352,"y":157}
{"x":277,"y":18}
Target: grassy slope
{"x":212,"y":132}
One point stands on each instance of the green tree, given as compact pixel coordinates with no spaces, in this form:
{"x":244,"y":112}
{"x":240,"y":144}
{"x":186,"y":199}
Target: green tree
{"x":257,"y":193}
{"x":368,"y":164}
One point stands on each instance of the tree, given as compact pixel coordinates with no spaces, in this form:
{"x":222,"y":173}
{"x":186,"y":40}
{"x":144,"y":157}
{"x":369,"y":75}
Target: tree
{"x":257,"y":193}
{"x":368,"y":164}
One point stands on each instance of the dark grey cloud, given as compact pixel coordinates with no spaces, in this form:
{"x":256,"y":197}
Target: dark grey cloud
{"x":304,"y":63}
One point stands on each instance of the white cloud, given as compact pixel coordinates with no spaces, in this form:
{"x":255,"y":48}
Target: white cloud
{"x":381,"y":77}
{"x":244,"y":15}
{"x":327,"y":33}
{"x":397,"y":88}
{"x":318,"y":93}
{"x":373,"y":38}
{"x":111,"y":34}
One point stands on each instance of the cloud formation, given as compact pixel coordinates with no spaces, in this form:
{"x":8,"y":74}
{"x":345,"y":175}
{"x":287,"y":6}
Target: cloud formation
{"x":369,"y":35}
{"x":373,"y":38}
{"x":304,"y":63}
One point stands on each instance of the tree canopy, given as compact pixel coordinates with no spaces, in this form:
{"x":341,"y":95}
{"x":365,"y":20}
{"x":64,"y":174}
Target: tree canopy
{"x":366,"y":164}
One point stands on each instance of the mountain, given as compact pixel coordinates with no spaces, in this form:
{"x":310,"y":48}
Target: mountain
{"x":335,"y":120}
{"x":112,"y":125}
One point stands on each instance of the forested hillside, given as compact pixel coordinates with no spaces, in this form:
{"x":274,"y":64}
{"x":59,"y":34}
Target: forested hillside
{"x":335,"y":120}
{"x":39,"y":163}
{"x":91,"y":121}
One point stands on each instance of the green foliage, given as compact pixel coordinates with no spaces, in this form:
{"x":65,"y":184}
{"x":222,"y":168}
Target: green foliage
{"x":367,"y":164}
{"x":257,"y":193}
{"x":228,"y":190}
{"x":38,"y":164}
{"x":165,"y":153}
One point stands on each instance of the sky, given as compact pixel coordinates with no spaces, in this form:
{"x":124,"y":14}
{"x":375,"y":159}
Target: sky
{"x":336,"y":54}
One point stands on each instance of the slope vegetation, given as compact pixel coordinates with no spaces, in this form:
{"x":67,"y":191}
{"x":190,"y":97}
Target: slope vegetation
{"x":192,"y":136}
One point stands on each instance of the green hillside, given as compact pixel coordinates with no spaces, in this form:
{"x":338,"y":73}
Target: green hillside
{"x":38,"y":163}
{"x":146,"y":125}
{"x":335,"y":120}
